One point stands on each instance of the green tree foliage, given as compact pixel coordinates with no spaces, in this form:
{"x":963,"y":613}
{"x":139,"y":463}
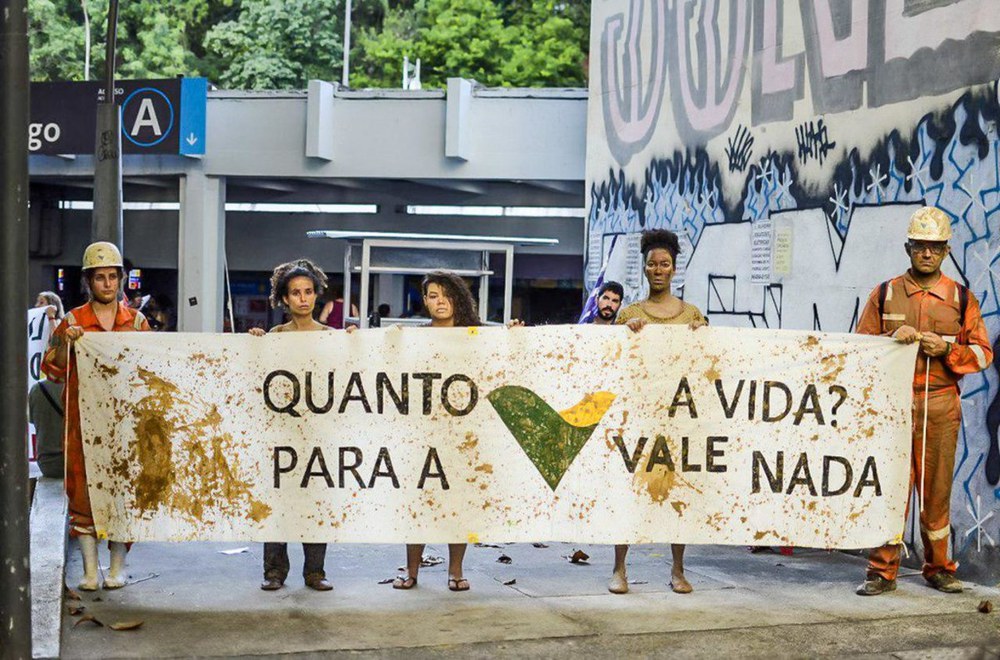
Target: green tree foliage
{"x":527,"y":43}
{"x":56,"y":39}
{"x":273,"y":44}
{"x":156,"y":39}
{"x":279,"y":44}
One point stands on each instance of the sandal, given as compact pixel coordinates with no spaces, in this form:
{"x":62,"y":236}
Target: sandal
{"x":456,"y":584}
{"x":404,"y":582}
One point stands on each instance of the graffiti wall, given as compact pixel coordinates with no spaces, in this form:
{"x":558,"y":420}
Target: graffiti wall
{"x":787,"y":142}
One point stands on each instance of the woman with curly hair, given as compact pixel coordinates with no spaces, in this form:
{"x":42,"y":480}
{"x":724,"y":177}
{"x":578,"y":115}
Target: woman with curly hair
{"x":659,"y":255}
{"x":295,"y":286}
{"x":450,"y":304}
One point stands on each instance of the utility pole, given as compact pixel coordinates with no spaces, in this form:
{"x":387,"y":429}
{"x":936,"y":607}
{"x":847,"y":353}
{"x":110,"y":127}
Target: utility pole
{"x":15,"y":581}
{"x":107,"y":223}
{"x":345,"y":75}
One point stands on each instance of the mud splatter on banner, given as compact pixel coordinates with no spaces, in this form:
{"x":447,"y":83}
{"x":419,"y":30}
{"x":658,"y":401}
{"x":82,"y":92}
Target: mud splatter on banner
{"x":575,"y":433}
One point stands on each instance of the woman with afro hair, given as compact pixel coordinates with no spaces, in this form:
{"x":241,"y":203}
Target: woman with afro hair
{"x":659,"y":255}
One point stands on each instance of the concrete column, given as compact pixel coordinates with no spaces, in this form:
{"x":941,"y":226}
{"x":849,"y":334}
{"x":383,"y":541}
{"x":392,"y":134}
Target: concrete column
{"x":390,"y":290}
{"x":202,"y":250}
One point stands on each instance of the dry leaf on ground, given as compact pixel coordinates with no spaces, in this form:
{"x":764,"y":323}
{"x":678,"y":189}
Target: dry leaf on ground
{"x":510,"y":582}
{"x":504,"y":559}
{"x":387,"y":581}
{"x":578,"y":557}
{"x":91,"y":618}
{"x":430,"y":560}
{"x":76,"y":610}
{"x":72,"y":595}
{"x":487,"y":545}
{"x":539,"y":545}
{"x":985,"y":606}
{"x":125,"y":625}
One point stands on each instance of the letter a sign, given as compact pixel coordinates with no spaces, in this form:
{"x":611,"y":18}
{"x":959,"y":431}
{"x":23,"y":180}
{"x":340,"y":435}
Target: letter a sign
{"x":157,"y":116}
{"x":147,"y":116}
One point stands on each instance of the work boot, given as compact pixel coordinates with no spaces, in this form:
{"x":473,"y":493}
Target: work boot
{"x":618,"y":584}
{"x":318,"y":582}
{"x":876,"y":585}
{"x":88,"y":549}
{"x":272,"y":584}
{"x":116,"y":574}
{"x":946,"y":582}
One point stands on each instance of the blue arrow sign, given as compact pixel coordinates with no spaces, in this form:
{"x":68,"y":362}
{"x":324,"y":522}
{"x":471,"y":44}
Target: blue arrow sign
{"x":194,"y":98}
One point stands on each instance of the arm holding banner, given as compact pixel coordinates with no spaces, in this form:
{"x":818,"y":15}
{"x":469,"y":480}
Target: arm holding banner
{"x":971,"y":352}
{"x":56,"y":360}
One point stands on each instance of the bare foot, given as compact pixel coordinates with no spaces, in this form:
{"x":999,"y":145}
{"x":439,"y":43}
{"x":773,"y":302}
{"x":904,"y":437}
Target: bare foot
{"x":88,"y":583}
{"x":679,"y":584}
{"x":618,"y":584}
{"x":115,"y":581}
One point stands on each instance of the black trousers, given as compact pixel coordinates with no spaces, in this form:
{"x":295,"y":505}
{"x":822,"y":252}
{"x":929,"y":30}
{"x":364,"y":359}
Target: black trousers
{"x":276,"y":560}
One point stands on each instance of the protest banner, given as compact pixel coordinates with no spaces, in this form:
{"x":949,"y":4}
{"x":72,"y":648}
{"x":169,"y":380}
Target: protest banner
{"x":573,"y":433}
{"x":38,"y":339}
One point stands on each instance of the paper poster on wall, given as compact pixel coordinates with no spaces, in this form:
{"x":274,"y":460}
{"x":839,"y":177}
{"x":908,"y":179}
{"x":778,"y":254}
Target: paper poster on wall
{"x":760,"y":252}
{"x":680,"y":268}
{"x":781,"y":253}
{"x":595,"y":258}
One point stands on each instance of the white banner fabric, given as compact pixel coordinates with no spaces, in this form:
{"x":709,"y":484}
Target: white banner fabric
{"x":38,"y":339}
{"x":564,"y":433}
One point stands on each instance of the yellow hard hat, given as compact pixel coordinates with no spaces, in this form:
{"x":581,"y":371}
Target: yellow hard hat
{"x":929,"y":224}
{"x":102,"y":255}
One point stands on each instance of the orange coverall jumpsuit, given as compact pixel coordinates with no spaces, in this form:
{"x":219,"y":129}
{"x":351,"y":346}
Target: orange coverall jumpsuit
{"x":81,"y":521}
{"x":936,"y":310}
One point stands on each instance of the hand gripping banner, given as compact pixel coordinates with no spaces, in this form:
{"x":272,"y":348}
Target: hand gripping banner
{"x":572,"y":433}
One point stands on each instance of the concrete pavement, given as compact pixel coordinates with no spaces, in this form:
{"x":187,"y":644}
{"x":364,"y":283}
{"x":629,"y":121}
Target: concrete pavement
{"x":195,"y":601}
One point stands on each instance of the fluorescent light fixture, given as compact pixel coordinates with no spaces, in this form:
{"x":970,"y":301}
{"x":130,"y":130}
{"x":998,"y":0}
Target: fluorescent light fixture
{"x":82,"y":205}
{"x":259,"y":207}
{"x":389,"y":235}
{"x":499,"y":211}
{"x":242,"y":207}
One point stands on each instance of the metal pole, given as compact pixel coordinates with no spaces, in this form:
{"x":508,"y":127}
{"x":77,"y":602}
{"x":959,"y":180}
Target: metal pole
{"x":107,"y":223}
{"x":345,"y":75}
{"x":86,"y":40}
{"x":15,"y":582}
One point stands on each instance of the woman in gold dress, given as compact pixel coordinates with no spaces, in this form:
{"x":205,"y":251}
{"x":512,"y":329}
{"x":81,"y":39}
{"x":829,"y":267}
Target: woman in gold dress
{"x":659,"y":255}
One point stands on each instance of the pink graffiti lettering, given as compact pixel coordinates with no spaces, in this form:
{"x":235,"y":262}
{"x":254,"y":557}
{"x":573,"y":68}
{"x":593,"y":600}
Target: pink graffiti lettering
{"x":714,"y":111}
{"x":777,"y":75}
{"x":904,"y":35}
{"x":632,"y":112}
{"x":841,"y":56}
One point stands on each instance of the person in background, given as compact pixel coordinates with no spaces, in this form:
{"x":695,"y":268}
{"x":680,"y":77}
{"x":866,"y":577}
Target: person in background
{"x":53,"y":303}
{"x":659,"y":255}
{"x":106,"y":311}
{"x":45,"y":411}
{"x":295,"y":287}
{"x":332,"y":313}
{"x":609,"y":300}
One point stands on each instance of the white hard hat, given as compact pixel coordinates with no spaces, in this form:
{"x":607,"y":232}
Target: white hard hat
{"x":929,"y":224}
{"x":102,"y":255}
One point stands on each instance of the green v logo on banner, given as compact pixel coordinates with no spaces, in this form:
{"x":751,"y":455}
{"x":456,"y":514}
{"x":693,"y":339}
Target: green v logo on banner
{"x":550,"y":439}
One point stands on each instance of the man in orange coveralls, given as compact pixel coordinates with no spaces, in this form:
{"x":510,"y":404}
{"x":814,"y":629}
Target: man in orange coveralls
{"x":103,"y":273}
{"x":923,"y":305}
